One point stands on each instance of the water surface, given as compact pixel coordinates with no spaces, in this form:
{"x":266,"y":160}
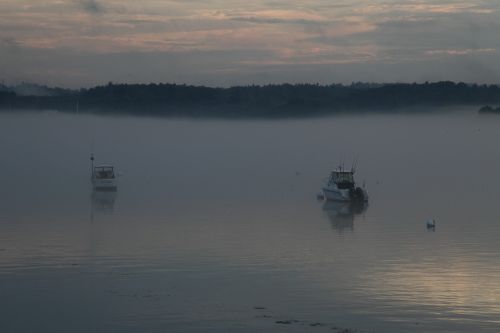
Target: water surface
{"x":215,"y":226}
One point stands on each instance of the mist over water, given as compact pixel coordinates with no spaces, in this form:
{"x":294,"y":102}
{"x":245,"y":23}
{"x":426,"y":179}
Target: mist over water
{"x":215,"y":226}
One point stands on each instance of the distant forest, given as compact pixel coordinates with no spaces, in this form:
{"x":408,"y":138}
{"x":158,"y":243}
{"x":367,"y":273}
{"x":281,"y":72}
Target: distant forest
{"x":246,"y":101}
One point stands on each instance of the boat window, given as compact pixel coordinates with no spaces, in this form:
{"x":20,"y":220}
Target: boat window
{"x":104,"y":172}
{"x":343,"y":177}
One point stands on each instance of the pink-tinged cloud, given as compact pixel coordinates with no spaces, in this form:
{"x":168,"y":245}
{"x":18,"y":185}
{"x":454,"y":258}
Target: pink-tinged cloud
{"x":292,"y":33}
{"x":459,"y":52}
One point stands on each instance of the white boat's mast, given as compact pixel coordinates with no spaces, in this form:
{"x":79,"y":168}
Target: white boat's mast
{"x":92,"y":164}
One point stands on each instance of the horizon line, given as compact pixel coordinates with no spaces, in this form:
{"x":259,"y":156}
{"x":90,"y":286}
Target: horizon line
{"x":41,"y":85}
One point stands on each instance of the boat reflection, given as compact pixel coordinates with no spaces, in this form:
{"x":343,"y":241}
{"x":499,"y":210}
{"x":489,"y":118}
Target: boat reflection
{"x":103,"y":201}
{"x":342,"y":214}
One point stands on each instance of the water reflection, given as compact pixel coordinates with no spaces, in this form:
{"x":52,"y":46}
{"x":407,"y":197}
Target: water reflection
{"x":103,"y":201}
{"x":342,"y":214}
{"x":453,"y":288}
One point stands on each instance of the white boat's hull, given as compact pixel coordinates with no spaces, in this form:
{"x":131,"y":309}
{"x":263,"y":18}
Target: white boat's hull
{"x":104,"y":184}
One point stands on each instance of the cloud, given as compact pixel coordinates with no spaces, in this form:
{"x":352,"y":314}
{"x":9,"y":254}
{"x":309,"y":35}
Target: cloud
{"x":64,"y":67}
{"x":276,"y":17}
{"x":92,"y":6}
{"x":273,"y":20}
{"x":459,"y":52}
{"x":8,"y":43}
{"x":400,"y":40}
{"x":258,"y":41}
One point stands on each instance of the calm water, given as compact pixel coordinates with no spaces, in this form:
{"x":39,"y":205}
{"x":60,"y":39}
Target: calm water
{"x":216,"y":228}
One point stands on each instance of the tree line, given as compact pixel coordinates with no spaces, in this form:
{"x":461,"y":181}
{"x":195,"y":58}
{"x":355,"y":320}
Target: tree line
{"x":254,"y":100}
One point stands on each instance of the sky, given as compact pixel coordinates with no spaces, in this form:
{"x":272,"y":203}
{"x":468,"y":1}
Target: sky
{"x":81,"y":43}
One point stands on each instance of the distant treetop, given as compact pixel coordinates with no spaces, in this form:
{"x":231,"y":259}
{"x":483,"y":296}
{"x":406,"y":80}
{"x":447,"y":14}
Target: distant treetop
{"x":253,"y":100}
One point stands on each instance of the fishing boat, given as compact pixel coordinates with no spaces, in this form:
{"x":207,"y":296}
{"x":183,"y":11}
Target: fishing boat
{"x":103,"y":177}
{"x":342,"y":187}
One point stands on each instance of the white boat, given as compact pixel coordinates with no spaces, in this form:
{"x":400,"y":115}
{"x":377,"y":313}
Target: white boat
{"x":341,"y":187}
{"x":103,"y":177}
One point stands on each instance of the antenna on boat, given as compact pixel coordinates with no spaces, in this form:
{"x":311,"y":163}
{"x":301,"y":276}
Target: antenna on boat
{"x":354,"y":165}
{"x":341,"y":163}
{"x":92,"y":163}
{"x":92,"y":154}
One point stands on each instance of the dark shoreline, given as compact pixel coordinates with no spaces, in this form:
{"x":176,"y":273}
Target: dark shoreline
{"x":272,"y":101}
{"x":489,"y":109}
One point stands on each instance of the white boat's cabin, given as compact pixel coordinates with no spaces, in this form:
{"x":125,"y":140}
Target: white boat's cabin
{"x":104,"y":172}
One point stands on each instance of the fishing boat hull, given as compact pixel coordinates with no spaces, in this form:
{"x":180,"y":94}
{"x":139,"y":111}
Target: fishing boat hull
{"x":335,"y":194}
